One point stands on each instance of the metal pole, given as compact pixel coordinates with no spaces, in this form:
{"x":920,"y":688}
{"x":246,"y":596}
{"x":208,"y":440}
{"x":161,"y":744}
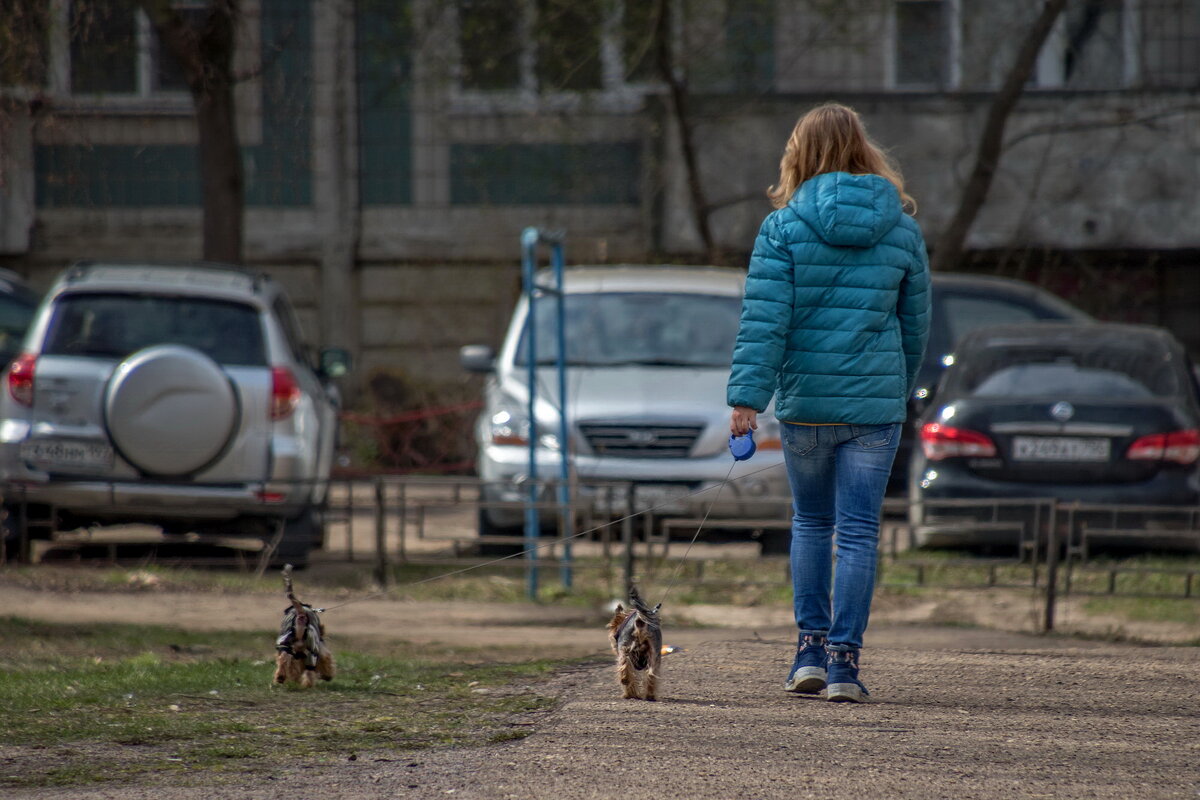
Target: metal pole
{"x":529,"y":240}
{"x":1051,"y":569}
{"x":566,"y":518}
{"x":627,"y":540}
{"x":381,"y":565}
{"x":403,"y":520}
{"x":350,"y":520}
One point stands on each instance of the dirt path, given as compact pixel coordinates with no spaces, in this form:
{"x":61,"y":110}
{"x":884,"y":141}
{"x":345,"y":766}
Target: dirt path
{"x":949,"y":720}
{"x":956,"y":712}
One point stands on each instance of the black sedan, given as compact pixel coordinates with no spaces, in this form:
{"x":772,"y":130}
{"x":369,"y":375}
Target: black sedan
{"x":960,"y":304}
{"x":1102,"y":414}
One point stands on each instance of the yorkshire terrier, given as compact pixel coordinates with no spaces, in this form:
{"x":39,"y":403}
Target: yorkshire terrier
{"x":636,"y":638}
{"x":303,"y":654}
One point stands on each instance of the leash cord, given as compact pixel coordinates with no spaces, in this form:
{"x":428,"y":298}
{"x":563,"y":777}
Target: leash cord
{"x":558,"y":540}
{"x":700,"y":527}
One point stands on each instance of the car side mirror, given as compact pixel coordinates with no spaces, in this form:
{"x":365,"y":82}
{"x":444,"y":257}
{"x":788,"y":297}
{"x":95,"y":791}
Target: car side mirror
{"x":335,"y":362}
{"x":477,"y":358}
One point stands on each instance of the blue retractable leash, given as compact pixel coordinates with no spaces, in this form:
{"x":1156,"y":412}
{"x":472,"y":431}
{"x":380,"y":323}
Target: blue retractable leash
{"x":742,"y":446}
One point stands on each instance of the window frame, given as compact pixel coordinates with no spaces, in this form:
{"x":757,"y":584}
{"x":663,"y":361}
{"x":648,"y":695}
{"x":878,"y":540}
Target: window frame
{"x":146,"y":61}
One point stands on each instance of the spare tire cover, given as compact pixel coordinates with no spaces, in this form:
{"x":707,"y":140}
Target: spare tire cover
{"x":170,"y":410}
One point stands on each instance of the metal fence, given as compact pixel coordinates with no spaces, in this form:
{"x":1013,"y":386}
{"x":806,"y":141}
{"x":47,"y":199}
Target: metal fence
{"x":1051,"y":547}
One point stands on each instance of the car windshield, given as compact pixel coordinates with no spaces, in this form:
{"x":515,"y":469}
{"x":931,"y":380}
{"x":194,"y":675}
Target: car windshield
{"x":1106,"y":370}
{"x":638,"y":328}
{"x":115,"y":325}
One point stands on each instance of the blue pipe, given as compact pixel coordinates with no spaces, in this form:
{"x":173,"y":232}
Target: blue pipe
{"x":529,"y":240}
{"x":564,"y":478}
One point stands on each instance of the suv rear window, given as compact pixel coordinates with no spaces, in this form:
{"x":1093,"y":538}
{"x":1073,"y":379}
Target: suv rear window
{"x":115,"y":325}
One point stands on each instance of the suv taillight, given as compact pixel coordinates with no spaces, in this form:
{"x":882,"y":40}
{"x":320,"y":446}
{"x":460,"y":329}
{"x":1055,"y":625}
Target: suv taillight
{"x":942,"y":441}
{"x":20,"y":378}
{"x":285,"y":393}
{"x":1181,"y":447}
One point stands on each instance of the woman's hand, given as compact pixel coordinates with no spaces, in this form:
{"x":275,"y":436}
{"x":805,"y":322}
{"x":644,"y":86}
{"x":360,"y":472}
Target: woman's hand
{"x":742,"y":420}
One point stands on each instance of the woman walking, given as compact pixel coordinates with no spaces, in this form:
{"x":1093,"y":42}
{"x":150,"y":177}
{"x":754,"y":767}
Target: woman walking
{"x":834,"y":325}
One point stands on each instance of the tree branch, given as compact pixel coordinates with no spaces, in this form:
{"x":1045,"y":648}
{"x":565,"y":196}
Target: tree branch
{"x":948,"y":251}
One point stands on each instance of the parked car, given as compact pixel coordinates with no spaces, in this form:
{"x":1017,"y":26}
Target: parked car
{"x":17,"y":305}
{"x":648,"y":350}
{"x":1097,"y":413}
{"x":178,"y":396}
{"x":960,"y":304}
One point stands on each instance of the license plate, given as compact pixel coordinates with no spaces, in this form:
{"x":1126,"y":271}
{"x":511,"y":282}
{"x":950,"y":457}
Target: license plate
{"x":1060,"y":448}
{"x":663,"y":498}
{"x":66,"y":453}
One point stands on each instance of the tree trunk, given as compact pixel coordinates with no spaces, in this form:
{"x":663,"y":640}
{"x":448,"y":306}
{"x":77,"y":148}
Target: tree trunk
{"x":665,"y":62}
{"x":220,"y":176}
{"x":206,"y":55}
{"x":949,"y":248}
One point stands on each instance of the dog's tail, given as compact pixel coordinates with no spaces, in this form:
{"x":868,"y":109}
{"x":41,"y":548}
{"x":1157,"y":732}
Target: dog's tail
{"x":296,"y":604}
{"x":639,"y":604}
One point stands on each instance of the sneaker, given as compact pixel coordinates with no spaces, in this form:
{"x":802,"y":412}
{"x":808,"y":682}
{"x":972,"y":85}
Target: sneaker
{"x":808,"y":671}
{"x":844,"y":685}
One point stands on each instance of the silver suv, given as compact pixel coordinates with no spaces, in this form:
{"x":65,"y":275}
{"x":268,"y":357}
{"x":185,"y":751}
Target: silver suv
{"x":178,"y":396}
{"x":648,"y":350}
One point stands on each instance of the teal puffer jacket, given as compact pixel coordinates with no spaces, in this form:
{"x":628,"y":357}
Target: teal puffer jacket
{"x":836,"y":312}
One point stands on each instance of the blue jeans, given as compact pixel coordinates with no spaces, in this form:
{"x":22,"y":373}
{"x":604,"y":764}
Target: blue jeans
{"x":838,"y":474}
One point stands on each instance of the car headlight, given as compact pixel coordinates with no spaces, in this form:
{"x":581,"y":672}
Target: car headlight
{"x":768,"y":435}
{"x":511,"y":427}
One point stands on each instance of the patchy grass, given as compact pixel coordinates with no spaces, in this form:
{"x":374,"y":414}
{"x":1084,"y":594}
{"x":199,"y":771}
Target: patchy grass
{"x":1158,"y":575}
{"x":1148,"y":609}
{"x":150,"y":700}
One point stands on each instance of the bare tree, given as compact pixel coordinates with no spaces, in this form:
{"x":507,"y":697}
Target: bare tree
{"x":949,"y":248}
{"x":204,"y":48}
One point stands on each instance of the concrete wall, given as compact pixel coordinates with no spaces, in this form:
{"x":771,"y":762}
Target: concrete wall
{"x":1094,"y":170}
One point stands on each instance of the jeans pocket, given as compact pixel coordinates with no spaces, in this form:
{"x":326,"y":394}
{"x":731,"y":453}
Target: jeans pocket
{"x":872,"y":436}
{"x":800,"y":439}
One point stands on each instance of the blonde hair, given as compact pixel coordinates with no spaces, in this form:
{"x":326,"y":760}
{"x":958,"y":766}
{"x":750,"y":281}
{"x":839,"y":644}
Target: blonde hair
{"x":831,"y":138}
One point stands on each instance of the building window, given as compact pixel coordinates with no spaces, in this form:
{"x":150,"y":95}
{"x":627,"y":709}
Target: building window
{"x":24,"y":39}
{"x":489,"y":34}
{"x":554,"y":46}
{"x":924,"y":44}
{"x":638,"y":24}
{"x":104,"y":48}
{"x":115,"y":50}
{"x":567,"y":35}
{"x":167,"y":75}
{"x":1170,"y":44}
{"x":1090,"y":48}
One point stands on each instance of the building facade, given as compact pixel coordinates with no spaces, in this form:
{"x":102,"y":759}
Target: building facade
{"x":393,"y":151}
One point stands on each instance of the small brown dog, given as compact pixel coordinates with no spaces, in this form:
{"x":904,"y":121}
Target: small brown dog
{"x":636,"y":638}
{"x":302,"y":654}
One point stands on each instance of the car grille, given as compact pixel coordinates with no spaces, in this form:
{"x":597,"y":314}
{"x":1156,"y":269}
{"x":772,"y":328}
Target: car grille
{"x":640,"y":440}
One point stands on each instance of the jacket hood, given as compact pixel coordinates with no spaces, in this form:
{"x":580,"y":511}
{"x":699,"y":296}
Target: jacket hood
{"x":848,"y":210}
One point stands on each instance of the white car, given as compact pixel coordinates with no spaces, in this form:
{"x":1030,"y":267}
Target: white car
{"x":648,"y":350}
{"x":178,"y":396}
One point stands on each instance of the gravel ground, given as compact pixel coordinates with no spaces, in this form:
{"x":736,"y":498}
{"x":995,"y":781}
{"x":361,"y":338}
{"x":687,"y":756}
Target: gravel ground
{"x":955,"y":713}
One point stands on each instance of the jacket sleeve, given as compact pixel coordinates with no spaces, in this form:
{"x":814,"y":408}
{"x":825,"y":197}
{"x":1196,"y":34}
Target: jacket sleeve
{"x":766,"y":316}
{"x":913,"y":310}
